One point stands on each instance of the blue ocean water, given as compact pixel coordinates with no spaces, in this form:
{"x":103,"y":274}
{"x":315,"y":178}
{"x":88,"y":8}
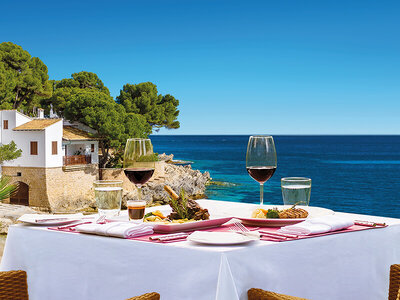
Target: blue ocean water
{"x":359,"y":174}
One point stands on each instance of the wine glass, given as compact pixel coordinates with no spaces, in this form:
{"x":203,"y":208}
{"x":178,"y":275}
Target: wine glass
{"x":139,"y":162}
{"x":261,"y":160}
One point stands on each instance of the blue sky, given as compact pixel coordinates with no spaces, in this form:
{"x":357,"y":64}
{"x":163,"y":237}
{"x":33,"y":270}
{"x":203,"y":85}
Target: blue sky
{"x":237,"y":67}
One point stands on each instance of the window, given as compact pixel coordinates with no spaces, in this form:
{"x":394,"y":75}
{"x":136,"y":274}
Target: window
{"x":19,"y":174}
{"x":54,"y":147}
{"x":34,"y":148}
{"x":92,"y":148}
{"x":5,"y":124}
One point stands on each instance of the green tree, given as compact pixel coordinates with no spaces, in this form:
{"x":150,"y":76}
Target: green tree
{"x":143,"y":98}
{"x":6,"y":188}
{"x":64,"y":89}
{"x":9,"y":152}
{"x":100,"y":112}
{"x":23,"y":79}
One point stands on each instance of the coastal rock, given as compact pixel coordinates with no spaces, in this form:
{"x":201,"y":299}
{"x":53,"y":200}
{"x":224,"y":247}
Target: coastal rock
{"x":9,"y":213}
{"x":193,"y":182}
{"x":166,"y":157}
{"x":86,"y":203}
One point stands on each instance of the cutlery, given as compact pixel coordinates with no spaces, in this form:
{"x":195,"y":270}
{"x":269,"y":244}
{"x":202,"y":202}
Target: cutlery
{"x":369,"y":223}
{"x":51,"y":220}
{"x":286,"y":235}
{"x":273,"y":238}
{"x":101,"y":220}
{"x":170,"y":237}
{"x":238,"y":227}
{"x":70,"y":227}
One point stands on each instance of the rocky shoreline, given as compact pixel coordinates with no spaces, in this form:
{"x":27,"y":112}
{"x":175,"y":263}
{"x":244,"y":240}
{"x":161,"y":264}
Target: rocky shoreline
{"x":193,"y":182}
{"x":178,"y":177}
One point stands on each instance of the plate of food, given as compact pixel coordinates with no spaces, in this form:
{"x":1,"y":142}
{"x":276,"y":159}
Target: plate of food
{"x":281,"y":215}
{"x":183,"y":215}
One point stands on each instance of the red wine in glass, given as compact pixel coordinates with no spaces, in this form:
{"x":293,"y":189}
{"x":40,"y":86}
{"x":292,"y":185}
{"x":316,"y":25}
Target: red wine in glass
{"x":261,"y":174}
{"x":139,"y":176}
{"x":261,"y":160}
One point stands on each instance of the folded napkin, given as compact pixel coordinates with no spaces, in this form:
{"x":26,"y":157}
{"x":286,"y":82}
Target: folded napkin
{"x":123,"y":230}
{"x":220,"y":238}
{"x":43,"y":219}
{"x":318,"y":225}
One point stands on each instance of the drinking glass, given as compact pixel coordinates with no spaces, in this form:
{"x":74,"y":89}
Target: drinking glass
{"x":108,"y":195}
{"x":139,"y":162}
{"x":261,"y":160}
{"x":296,"y":190}
{"x":136,"y":210}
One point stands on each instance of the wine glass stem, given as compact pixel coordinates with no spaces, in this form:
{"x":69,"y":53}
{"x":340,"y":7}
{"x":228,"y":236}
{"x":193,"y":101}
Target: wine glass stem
{"x":261,"y":193}
{"x":139,"y":192}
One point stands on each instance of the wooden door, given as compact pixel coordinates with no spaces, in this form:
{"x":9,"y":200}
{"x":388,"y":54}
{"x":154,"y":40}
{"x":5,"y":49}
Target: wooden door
{"x":21,"y":197}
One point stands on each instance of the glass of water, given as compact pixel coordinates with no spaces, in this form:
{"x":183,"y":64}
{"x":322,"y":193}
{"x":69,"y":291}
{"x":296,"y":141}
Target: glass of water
{"x":296,"y":190}
{"x":108,"y":194}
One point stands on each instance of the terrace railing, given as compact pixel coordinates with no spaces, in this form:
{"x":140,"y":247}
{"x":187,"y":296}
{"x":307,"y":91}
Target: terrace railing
{"x":77,"y":160}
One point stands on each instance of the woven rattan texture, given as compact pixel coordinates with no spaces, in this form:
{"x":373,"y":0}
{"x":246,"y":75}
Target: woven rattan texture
{"x":13,"y":285}
{"x":148,"y":296}
{"x":394,"y":283}
{"x":259,"y":294}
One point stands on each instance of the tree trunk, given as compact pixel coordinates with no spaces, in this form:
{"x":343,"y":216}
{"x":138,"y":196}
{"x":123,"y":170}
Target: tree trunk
{"x":16,"y":102}
{"x":104,"y":155}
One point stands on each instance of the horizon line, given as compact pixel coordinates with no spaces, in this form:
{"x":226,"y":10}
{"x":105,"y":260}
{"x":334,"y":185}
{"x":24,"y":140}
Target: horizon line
{"x":282,"y":134}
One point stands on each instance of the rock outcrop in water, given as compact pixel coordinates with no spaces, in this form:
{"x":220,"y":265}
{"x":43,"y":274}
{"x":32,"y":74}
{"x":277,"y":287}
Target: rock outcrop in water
{"x":193,"y":182}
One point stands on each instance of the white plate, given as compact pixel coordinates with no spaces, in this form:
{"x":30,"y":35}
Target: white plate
{"x":219,"y":238}
{"x":313,"y":212}
{"x":51,"y":220}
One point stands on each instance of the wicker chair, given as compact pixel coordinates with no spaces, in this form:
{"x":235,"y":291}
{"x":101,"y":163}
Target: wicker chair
{"x":394,"y":284}
{"x":259,"y":294}
{"x":394,"y":289}
{"x":148,"y":296}
{"x":13,"y":285}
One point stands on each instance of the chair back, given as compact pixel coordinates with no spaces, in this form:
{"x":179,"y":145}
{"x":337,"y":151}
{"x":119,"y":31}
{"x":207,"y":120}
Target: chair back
{"x":394,"y":283}
{"x":13,"y":285}
{"x":147,"y":296}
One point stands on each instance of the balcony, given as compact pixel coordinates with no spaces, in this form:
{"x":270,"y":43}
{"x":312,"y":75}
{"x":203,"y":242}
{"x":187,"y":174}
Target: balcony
{"x":71,"y":160}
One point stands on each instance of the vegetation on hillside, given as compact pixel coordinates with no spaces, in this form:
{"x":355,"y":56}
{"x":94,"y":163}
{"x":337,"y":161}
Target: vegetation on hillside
{"x":143,"y":98}
{"x":23,"y":79}
{"x":8,"y":152}
{"x":25,"y":85}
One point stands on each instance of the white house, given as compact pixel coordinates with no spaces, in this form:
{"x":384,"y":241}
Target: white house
{"x":49,"y":151}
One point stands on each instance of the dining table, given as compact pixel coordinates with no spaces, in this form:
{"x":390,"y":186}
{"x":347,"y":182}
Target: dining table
{"x":69,"y":265}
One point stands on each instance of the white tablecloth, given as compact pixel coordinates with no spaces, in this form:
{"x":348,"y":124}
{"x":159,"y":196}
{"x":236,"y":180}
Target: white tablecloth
{"x":77,"y":266}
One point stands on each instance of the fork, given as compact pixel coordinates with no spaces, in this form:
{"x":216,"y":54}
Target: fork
{"x":101,"y":220}
{"x":238,"y":227}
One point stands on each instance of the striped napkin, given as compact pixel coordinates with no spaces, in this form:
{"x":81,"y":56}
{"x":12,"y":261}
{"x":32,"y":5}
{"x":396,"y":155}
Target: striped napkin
{"x":318,"y":225}
{"x":123,"y":230}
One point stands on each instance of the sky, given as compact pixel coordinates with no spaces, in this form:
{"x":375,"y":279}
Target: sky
{"x":237,"y":67}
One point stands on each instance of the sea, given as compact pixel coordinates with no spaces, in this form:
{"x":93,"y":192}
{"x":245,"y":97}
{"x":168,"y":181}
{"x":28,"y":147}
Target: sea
{"x":356,"y":174}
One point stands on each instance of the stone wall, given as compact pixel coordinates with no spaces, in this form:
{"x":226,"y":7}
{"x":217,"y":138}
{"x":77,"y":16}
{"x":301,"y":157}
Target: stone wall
{"x":71,"y":189}
{"x":57,"y":189}
{"x":35,"y":178}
